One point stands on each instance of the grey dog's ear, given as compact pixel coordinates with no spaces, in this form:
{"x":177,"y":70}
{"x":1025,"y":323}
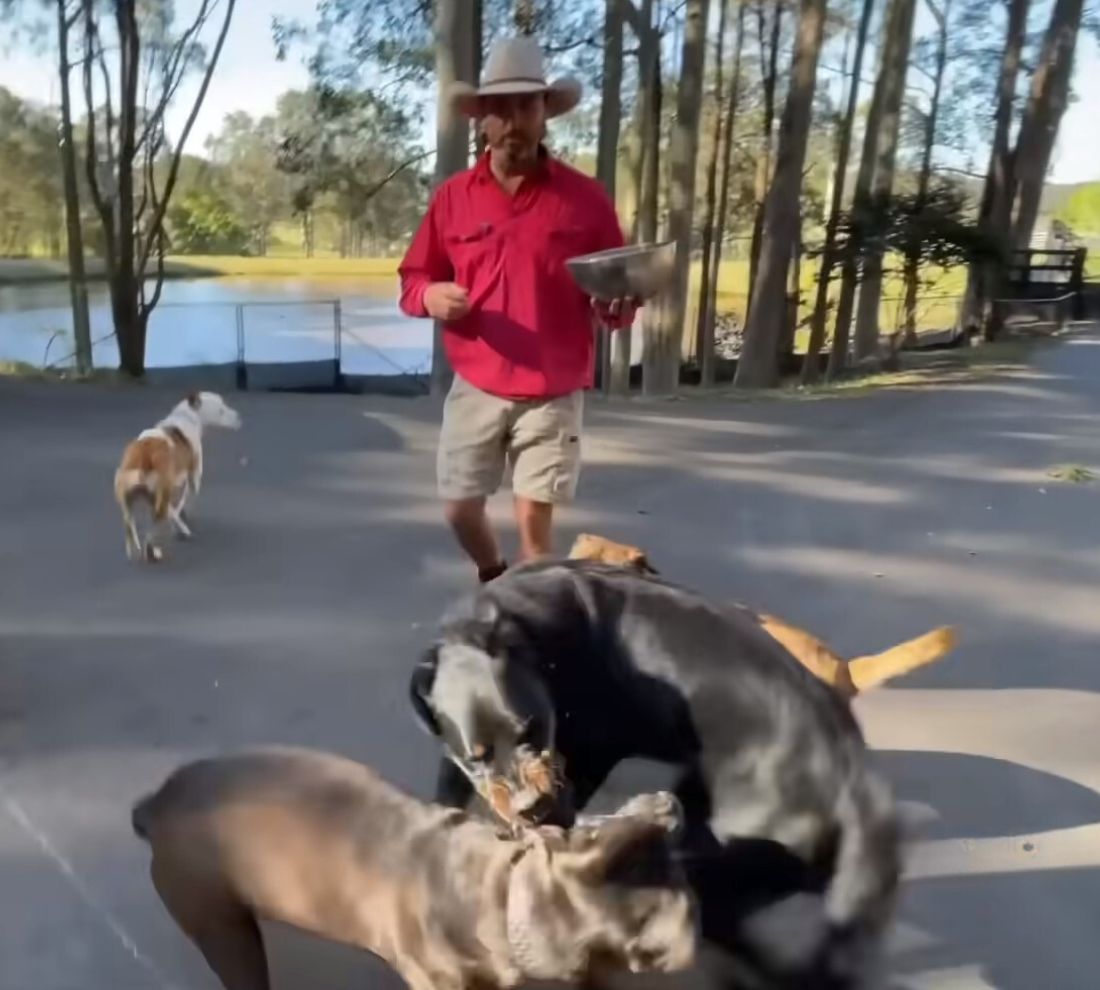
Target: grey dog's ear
{"x":644,"y":822}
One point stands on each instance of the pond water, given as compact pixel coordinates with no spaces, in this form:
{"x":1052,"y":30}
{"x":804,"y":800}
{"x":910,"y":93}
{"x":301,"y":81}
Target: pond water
{"x":199,"y":321}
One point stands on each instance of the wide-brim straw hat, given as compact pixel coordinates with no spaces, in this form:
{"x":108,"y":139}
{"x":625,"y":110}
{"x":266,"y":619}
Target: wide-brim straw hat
{"x":515,"y":66}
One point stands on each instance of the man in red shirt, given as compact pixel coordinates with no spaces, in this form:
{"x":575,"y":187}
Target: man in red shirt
{"x":488,"y":261}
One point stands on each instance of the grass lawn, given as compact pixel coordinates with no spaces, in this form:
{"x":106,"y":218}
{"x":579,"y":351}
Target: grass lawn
{"x":936,"y":310}
{"x":16,"y":271}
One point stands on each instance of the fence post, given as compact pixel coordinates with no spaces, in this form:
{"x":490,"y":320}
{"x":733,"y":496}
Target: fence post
{"x":1077,"y":282}
{"x":242,"y":369}
{"x":338,"y":345}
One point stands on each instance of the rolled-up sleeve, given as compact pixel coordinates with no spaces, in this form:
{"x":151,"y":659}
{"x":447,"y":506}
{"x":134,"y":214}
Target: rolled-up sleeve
{"x":425,"y":261}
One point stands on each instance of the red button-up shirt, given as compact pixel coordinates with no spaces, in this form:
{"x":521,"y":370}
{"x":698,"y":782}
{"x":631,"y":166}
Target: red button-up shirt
{"x":529,"y":332}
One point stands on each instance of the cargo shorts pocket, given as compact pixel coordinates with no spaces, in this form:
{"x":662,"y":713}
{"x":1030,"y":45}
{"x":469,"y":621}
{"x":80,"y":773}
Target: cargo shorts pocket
{"x":545,"y":448}
{"x":471,"y":456}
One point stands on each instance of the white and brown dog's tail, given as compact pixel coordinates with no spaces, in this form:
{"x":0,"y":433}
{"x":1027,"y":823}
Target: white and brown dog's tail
{"x":871,"y":671}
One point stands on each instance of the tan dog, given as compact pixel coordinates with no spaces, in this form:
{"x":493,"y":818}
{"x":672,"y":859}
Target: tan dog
{"x":848,"y":677}
{"x":319,"y":842}
{"x":163,"y":466}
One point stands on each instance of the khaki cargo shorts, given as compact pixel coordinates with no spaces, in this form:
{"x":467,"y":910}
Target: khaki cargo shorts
{"x":482,"y":433}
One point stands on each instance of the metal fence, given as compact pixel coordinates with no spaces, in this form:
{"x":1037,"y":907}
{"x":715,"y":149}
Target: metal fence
{"x":317,"y":344}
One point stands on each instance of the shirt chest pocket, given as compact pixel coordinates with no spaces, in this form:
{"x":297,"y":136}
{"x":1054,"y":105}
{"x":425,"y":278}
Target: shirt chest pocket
{"x":472,"y":252}
{"x":562,"y":243}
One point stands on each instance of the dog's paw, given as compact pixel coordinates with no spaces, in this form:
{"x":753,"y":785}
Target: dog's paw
{"x":661,"y":807}
{"x":153,"y":553}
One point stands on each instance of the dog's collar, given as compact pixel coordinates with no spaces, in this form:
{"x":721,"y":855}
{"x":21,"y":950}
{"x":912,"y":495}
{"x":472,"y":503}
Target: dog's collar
{"x":530,"y":957}
{"x":523,"y":955}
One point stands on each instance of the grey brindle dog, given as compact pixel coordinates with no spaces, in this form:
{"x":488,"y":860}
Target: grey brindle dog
{"x":322,"y":843}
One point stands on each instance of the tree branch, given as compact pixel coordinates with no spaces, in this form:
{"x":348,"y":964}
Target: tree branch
{"x":91,"y":157}
{"x":108,"y":106}
{"x":157,"y":220}
{"x":633,"y":17}
{"x":394,"y":173}
{"x":175,"y":68}
{"x":158,"y":281}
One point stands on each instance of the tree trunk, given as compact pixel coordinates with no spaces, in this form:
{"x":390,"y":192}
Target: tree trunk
{"x":607,"y":159}
{"x":757,"y":367}
{"x":1050,"y":86}
{"x":764,"y":161}
{"x":704,"y":332}
{"x":664,"y":348}
{"x":454,"y":60}
{"x":710,"y":303}
{"x":995,"y":211}
{"x":860,"y":211}
{"x":130,"y":325}
{"x":78,"y":286}
{"x":912,"y":255}
{"x":820,"y":314}
{"x":307,"y":232}
{"x":645,"y":161}
{"x":896,"y":63}
{"x":785,"y":348}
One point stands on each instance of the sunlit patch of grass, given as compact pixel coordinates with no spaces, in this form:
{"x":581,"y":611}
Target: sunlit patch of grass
{"x":1074,"y":474}
{"x":32,"y":372}
{"x":287,"y":267}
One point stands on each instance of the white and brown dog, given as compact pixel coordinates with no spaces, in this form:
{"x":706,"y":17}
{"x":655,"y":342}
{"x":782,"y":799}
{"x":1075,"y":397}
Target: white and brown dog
{"x":163,"y":467}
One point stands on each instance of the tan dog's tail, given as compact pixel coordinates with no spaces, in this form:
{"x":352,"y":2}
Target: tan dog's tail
{"x":868,"y":672}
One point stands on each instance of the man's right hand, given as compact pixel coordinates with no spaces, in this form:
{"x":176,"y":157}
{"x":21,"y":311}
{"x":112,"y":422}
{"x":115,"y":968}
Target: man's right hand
{"x":446,"y":301}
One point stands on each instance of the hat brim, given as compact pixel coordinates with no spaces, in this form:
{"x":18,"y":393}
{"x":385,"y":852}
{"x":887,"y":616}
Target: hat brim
{"x":562,"y":95}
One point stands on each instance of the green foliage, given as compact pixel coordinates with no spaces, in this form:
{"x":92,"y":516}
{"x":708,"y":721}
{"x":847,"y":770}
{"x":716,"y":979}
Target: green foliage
{"x":937,"y":226}
{"x":1081,"y":212}
{"x":357,"y":45}
{"x":30,"y":184}
{"x":358,"y":149}
{"x":203,"y":223}
{"x":245,"y":156}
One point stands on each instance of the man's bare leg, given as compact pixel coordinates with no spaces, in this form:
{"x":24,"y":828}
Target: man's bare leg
{"x":470,"y":523}
{"x":534,"y":521}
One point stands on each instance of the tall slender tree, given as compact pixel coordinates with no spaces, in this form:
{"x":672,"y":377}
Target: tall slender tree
{"x":67,"y":17}
{"x":768,"y":36}
{"x":607,"y":147}
{"x":1050,"y":85}
{"x":896,"y":66}
{"x":130,"y":78}
{"x":758,"y":364}
{"x":998,"y":191}
{"x":861,"y":207}
{"x":704,"y":335}
{"x":454,"y":62}
{"x":810,"y":366}
{"x":911,"y":274}
{"x":710,"y":302}
{"x":663,"y":346}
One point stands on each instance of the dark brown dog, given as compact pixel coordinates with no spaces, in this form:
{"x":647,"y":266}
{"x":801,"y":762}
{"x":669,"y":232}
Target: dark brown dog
{"x":848,"y":677}
{"x":321,"y":843}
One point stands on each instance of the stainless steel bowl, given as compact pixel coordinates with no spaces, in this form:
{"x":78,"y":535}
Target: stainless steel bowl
{"x":639,"y":271}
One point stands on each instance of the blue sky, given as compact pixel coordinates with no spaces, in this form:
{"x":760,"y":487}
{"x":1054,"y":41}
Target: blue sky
{"x":249,"y":78}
